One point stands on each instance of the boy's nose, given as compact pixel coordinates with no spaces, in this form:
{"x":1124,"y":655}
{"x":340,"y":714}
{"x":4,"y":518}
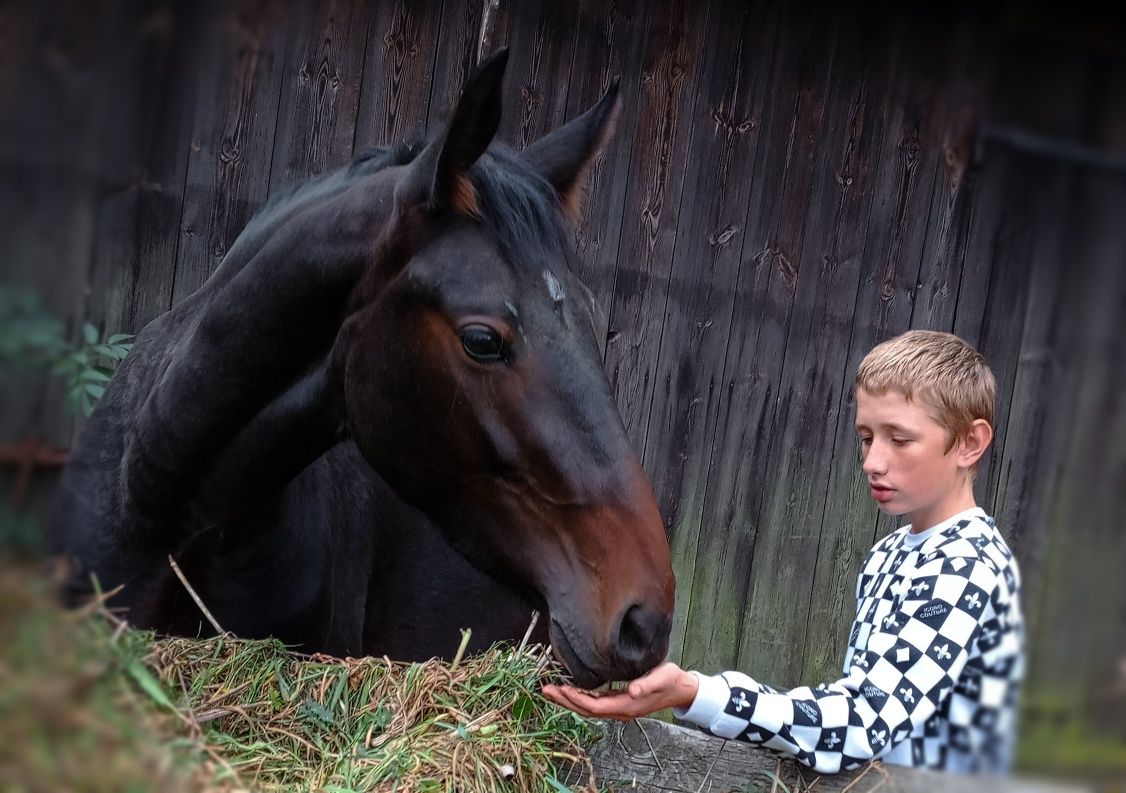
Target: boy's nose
{"x":874,"y":461}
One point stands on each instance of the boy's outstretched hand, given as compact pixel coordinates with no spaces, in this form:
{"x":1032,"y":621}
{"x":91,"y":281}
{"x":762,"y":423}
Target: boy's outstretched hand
{"x":667,"y":686}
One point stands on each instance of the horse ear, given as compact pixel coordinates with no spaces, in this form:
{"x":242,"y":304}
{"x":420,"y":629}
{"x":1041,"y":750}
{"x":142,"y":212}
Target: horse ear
{"x":564,"y":156}
{"x":441,"y":173}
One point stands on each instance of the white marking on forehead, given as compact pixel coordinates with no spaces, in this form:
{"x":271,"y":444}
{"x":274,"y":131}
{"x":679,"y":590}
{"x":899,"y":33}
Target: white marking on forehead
{"x":554,"y":288}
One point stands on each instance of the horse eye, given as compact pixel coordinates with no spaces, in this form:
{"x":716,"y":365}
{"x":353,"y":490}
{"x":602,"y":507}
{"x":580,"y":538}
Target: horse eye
{"x":482,"y":343}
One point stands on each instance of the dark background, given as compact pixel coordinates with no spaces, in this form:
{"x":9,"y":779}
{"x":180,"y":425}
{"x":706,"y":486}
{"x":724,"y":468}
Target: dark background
{"x":791,"y":183}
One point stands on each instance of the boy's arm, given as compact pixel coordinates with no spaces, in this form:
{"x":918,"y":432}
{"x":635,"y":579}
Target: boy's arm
{"x":912,"y":662}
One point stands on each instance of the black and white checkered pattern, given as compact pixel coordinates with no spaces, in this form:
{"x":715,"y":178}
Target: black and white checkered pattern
{"x":932,"y":669}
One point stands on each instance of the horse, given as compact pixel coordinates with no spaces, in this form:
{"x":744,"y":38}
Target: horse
{"x":385,"y":417}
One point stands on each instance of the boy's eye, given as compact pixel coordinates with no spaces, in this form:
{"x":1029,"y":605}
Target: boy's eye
{"x":900,"y":441}
{"x":864,"y":441}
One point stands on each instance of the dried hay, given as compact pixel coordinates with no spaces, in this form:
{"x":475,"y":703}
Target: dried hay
{"x":88,"y":703}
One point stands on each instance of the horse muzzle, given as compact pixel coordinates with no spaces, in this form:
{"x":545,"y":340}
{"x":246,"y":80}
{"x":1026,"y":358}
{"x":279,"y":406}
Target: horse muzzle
{"x":639,"y":640}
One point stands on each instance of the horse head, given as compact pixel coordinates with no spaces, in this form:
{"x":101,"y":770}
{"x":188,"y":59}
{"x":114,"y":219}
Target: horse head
{"x":472,"y":381}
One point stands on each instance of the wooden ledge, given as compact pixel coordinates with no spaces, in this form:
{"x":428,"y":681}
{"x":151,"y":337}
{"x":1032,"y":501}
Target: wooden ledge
{"x":657,"y":757}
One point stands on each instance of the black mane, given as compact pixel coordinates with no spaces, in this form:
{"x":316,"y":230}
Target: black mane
{"x":518,"y":206}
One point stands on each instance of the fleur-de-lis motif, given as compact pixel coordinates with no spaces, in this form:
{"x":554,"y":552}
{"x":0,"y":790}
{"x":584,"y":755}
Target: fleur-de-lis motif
{"x":890,"y":621}
{"x":862,"y":661}
{"x":942,"y":653}
{"x":908,"y":695}
{"x":988,"y":635}
{"x":833,"y":740}
{"x":973,"y":601}
{"x":878,"y":737}
{"x":920,"y":588}
{"x":971,"y":686}
{"x":740,"y":702}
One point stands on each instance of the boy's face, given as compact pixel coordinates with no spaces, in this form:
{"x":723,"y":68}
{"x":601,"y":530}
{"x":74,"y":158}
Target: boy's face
{"x":909,"y":470}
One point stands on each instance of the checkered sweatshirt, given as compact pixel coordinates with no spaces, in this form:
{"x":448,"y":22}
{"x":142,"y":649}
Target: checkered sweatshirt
{"x":932,"y":669}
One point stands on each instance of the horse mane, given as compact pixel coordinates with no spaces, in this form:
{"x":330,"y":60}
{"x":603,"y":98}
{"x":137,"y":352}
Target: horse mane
{"x":517,"y":206}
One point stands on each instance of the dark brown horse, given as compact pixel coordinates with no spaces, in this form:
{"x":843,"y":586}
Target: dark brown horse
{"x":384,"y":417}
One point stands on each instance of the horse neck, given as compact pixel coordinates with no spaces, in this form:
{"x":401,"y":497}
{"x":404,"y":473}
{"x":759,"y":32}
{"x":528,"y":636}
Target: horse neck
{"x":246,"y":396}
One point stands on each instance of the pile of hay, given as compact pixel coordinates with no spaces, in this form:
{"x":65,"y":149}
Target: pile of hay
{"x":88,"y":703}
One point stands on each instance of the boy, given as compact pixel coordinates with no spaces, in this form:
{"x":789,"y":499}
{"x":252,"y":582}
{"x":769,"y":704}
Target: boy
{"x":934,"y":660}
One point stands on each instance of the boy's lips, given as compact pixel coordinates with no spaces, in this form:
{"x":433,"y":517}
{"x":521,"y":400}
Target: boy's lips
{"x":882,"y":493}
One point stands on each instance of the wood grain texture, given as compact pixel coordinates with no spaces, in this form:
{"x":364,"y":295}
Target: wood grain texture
{"x":659,"y":153}
{"x":50,"y":174}
{"x":610,"y":42}
{"x":319,"y":100}
{"x":232,"y":134}
{"x":789,"y":186}
{"x":657,"y":757}
{"x":403,"y":44}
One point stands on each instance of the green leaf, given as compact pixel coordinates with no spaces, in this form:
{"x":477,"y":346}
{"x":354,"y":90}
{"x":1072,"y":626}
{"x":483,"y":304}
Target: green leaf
{"x":120,"y":338}
{"x":523,"y":707}
{"x":558,"y":786}
{"x":95,"y":390}
{"x":283,"y":687}
{"x":318,"y":712}
{"x":90,"y":333}
{"x":93,"y":376}
{"x":149,"y":684}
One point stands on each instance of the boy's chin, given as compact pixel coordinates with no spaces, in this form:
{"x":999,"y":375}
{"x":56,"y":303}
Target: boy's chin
{"x":890,"y":509}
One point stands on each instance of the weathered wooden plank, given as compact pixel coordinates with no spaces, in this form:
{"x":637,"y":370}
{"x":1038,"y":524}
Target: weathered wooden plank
{"x":702,"y":298}
{"x":727,"y":532}
{"x":535,"y":93}
{"x":993,"y":290}
{"x":959,"y":104}
{"x":770,"y":118}
{"x":164,"y":167}
{"x":137,"y":74}
{"x":609,"y":42}
{"x":232,"y":134}
{"x":320,"y":92}
{"x":659,"y":151}
{"x":456,"y":55}
{"x":904,"y":103}
{"x":657,"y":757}
{"x":48,"y":184}
{"x":19,"y":22}
{"x":1081,"y":601}
{"x":773,"y":223}
{"x":826,"y":275}
{"x":1110,"y":103}
{"x":1042,"y":395}
{"x":403,"y":42}
{"x":661,"y":157}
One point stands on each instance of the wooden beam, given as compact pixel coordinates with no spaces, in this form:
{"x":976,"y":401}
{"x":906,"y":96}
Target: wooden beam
{"x":658,"y":757}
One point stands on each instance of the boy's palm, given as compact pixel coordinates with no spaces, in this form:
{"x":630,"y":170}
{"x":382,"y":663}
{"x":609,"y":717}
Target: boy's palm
{"x":667,"y":686}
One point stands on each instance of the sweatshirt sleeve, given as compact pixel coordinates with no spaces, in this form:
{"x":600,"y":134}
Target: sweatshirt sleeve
{"x":912,"y":661}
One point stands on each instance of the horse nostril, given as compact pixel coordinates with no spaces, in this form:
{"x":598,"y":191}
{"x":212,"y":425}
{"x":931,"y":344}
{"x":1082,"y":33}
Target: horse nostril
{"x":643,"y":633}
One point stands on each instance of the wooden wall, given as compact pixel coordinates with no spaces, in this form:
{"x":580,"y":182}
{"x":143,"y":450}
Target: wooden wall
{"x":792,"y":183}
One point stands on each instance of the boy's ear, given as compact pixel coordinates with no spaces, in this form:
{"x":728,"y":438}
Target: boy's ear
{"x":974,"y":443}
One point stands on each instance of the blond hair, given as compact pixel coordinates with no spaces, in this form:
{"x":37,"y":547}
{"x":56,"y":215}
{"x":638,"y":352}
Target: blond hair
{"x":944,"y":372}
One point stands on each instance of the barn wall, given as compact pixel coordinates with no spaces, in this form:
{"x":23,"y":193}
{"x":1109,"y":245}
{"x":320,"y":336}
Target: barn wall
{"x":791,"y":184}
